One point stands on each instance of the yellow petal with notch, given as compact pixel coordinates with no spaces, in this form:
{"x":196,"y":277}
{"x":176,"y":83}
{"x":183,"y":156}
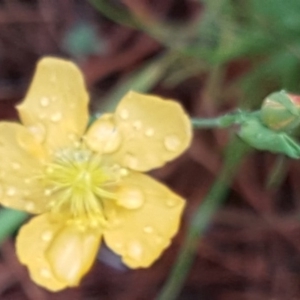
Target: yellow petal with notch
{"x":32,"y":241}
{"x":154,"y":131}
{"x":22,"y":161}
{"x":58,"y":254}
{"x":56,"y":103}
{"x":144,"y":220}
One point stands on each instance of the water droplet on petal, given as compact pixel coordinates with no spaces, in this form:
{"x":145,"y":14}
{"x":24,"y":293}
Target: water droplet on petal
{"x":148,"y":229}
{"x":131,"y":198}
{"x":104,"y":137}
{"x":130,"y":160}
{"x":47,"y":235}
{"x":72,"y":136}
{"x":44,"y":101}
{"x":38,"y":131}
{"x":172,"y":142}
{"x":11,"y":191}
{"x":118,"y":245}
{"x":137,"y":125}
{"x":47,"y":192}
{"x":30,"y":206}
{"x":124,"y":114}
{"x":56,"y":117}
{"x":149,"y":132}
{"x":171,"y":202}
{"x":124,"y":172}
{"x":135,"y":250}
{"x":45,"y":273}
{"x":158,"y":239}
{"x":15,"y":166}
{"x":49,"y":170}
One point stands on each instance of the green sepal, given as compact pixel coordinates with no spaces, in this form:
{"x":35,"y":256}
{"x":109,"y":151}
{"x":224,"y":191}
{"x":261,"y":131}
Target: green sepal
{"x":254,"y":133}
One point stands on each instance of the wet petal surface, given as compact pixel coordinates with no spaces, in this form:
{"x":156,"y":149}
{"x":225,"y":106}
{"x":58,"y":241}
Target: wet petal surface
{"x":58,"y":254}
{"x":153,"y":131}
{"x":21,"y":160}
{"x":144,"y":220}
{"x":56,"y":105}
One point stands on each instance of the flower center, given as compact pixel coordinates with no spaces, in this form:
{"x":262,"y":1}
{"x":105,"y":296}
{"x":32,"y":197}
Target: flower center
{"x":78,"y":182}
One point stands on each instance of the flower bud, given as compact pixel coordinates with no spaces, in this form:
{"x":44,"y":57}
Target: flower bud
{"x":280,"y":111}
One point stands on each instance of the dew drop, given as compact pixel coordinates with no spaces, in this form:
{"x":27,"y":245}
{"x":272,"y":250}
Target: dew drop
{"x":135,"y":250}
{"x":56,"y":117}
{"x":158,"y":239}
{"x":137,"y":125}
{"x":124,"y":172}
{"x":11,"y":191}
{"x":30,"y":206}
{"x":27,"y":181}
{"x":15,"y":166}
{"x":47,"y":235}
{"x":124,"y":114}
{"x":118,"y":245}
{"x":116,"y":222}
{"x":131,"y":161}
{"x":44,"y":102}
{"x":172,"y":142}
{"x":131,"y":198}
{"x":47,"y":192}
{"x":104,"y":137}
{"x":171,"y":202}
{"x":94,"y":223}
{"x":148,"y":229}
{"x":45,"y":273}
{"x":49,"y":170}
{"x":38,"y":131}
{"x":72,"y":136}
{"x":149,"y":132}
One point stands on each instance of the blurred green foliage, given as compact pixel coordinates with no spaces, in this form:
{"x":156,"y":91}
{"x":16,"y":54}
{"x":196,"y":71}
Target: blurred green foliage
{"x":82,"y":39}
{"x":261,"y":37}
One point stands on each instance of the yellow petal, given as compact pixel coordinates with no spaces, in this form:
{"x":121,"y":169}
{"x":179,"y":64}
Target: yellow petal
{"x":21,"y":160}
{"x":32,"y":242}
{"x":153,"y":131}
{"x":57,"y":254}
{"x":56,"y":103}
{"x":144,"y":221}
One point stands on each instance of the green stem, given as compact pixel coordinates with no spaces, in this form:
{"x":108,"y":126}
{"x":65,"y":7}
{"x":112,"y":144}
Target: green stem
{"x":10,"y":220}
{"x":227,"y":120}
{"x":278,"y":173}
{"x":202,"y":218}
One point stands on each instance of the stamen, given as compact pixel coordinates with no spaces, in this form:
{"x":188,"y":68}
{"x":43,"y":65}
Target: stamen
{"x":77,"y":183}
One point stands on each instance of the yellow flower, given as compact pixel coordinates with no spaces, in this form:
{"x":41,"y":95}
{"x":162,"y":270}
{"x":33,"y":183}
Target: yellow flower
{"x":85,"y":182}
